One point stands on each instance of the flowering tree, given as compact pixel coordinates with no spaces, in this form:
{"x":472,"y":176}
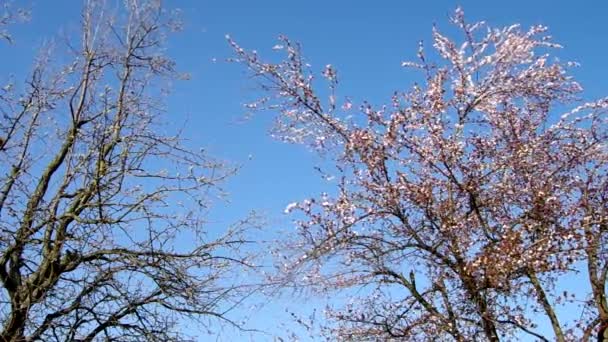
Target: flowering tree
{"x":460,"y":205}
{"x":94,"y":197}
{"x":8,"y":16}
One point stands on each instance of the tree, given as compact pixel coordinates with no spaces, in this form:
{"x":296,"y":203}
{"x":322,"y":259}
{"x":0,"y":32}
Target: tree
{"x":8,"y":16}
{"x":460,"y":205}
{"x":102,"y":214}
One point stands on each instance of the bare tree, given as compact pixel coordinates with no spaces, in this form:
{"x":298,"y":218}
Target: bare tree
{"x":462,"y":203}
{"x":102,"y":231}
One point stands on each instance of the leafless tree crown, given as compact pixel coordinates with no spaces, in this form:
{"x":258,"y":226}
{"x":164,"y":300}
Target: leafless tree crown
{"x":95,"y":198}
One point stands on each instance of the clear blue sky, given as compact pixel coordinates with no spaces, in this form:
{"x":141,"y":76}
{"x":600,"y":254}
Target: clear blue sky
{"x":365,"y":40}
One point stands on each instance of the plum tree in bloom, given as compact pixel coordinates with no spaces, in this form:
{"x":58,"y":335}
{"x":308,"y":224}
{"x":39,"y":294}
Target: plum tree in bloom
{"x":9,"y":14}
{"x":462,"y":203}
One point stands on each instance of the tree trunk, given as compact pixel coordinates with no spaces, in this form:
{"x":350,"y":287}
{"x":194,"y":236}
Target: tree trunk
{"x":14,"y":328}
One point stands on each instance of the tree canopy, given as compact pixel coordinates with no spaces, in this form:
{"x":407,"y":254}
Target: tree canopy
{"x":460,"y":210}
{"x":94,"y":195}
{"x":462,"y":203}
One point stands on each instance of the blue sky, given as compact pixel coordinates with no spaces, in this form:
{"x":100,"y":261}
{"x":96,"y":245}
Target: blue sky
{"x":365,"y":40}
